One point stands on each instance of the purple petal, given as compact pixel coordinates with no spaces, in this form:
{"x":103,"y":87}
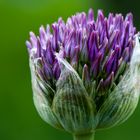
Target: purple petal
{"x":126,"y":54}
{"x":109,"y":80}
{"x":90,"y":15}
{"x":85,"y":75}
{"x":95,"y":68}
{"x":93,"y":46}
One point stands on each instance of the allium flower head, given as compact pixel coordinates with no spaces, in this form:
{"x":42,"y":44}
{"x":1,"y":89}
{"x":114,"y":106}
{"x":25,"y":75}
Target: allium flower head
{"x":81,"y":71}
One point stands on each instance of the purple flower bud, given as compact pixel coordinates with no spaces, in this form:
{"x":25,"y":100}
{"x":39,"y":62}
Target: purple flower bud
{"x":90,"y":15}
{"x":85,"y":75}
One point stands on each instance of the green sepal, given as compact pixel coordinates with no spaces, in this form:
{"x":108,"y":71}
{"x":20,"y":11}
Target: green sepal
{"x":72,"y":105}
{"x":42,"y":96}
{"x":119,"y":105}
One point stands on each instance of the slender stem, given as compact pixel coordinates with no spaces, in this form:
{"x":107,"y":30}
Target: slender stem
{"x":89,"y":136}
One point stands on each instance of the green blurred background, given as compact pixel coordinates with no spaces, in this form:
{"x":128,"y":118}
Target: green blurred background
{"x":18,"y":117}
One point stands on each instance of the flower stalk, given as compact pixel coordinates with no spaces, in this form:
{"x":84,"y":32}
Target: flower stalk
{"x":89,"y":136}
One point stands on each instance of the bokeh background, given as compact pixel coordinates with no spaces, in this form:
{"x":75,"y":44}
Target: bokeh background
{"x":18,"y":117}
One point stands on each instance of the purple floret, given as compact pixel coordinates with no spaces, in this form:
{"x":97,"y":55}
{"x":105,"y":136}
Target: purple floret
{"x":95,"y":48}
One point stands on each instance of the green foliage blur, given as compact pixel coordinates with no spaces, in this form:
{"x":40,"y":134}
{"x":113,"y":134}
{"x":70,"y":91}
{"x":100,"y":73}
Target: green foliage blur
{"x":18,"y":117}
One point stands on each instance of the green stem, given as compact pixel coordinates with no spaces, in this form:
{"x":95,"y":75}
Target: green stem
{"x":89,"y":136}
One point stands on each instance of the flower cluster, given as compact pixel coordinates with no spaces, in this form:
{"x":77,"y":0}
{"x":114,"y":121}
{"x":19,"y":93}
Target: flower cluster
{"x":76,"y":65}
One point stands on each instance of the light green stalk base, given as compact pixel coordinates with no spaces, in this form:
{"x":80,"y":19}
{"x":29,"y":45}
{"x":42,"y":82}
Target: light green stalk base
{"x":89,"y":136}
